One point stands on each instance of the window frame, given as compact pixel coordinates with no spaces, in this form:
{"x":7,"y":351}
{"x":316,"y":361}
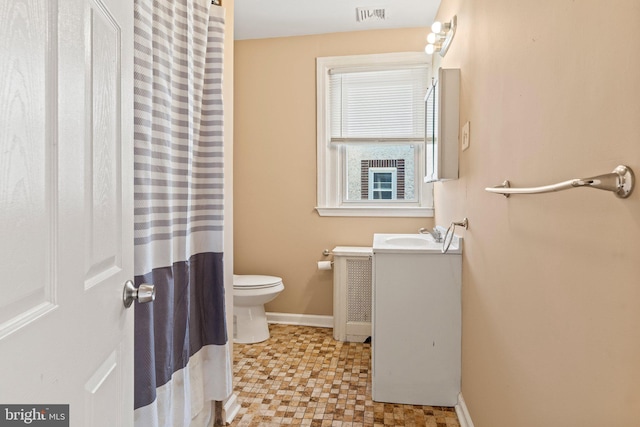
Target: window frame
{"x":330,"y":157}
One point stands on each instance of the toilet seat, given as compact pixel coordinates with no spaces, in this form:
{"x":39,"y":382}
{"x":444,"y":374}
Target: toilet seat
{"x":255,"y":281}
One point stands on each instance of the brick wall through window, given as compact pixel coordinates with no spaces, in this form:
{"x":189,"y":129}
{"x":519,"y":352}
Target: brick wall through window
{"x":388,"y":163}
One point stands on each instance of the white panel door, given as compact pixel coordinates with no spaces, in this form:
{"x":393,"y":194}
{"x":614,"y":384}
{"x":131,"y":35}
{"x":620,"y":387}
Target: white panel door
{"x":66,"y":207}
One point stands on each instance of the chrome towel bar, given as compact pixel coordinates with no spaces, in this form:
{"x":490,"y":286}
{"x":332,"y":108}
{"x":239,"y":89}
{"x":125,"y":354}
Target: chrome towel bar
{"x":620,"y":182}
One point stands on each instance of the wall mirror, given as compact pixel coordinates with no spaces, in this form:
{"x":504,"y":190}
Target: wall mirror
{"x":442,"y":116}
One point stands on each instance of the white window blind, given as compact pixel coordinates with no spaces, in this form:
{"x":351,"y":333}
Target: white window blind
{"x":386,"y":105}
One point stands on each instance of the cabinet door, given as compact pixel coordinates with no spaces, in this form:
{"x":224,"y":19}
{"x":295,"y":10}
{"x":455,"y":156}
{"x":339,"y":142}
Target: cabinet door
{"x":416,"y":329}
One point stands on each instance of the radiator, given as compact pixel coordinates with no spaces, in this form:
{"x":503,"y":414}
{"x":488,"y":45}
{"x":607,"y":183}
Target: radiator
{"x":352,"y":293}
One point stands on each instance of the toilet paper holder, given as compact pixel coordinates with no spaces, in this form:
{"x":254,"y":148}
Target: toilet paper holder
{"x":325,"y":265}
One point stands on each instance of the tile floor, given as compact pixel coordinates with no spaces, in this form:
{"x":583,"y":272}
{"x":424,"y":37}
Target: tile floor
{"x":302,"y":376}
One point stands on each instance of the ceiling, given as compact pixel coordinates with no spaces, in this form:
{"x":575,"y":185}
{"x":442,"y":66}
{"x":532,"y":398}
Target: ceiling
{"x":257,"y":19}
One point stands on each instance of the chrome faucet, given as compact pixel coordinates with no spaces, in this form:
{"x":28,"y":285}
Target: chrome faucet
{"x":435,"y":233}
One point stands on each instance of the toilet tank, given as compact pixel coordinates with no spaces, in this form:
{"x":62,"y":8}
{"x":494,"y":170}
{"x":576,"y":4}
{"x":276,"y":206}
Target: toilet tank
{"x":352,"y":293}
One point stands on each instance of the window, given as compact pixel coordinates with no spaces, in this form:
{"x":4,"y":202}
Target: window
{"x":374,"y":170}
{"x":383,"y":184}
{"x":371,"y":135}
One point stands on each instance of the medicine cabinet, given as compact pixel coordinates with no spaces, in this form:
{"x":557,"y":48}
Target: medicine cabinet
{"x":442,"y":112}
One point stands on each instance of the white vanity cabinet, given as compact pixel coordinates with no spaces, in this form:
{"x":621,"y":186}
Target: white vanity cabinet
{"x":416,"y":355}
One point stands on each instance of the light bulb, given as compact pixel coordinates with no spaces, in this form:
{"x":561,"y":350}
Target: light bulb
{"x":432,"y":38}
{"x":436,"y":27}
{"x":429,"y":49}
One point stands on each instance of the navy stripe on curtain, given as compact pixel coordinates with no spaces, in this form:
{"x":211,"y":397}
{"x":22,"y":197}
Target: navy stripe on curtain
{"x":190,"y":301}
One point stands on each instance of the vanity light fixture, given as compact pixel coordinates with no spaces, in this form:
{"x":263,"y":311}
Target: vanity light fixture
{"x":431,"y":48}
{"x":441,"y":36}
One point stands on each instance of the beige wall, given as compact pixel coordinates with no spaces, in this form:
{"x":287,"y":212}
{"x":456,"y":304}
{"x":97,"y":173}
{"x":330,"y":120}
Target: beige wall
{"x":551,"y":283}
{"x":276,"y":228}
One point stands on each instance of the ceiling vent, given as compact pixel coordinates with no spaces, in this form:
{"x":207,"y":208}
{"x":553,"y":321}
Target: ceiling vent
{"x":364,"y":14}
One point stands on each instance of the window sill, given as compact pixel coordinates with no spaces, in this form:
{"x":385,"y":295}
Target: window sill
{"x":383,"y":211}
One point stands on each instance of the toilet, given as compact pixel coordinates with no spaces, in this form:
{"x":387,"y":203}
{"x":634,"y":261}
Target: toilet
{"x":250,"y":294}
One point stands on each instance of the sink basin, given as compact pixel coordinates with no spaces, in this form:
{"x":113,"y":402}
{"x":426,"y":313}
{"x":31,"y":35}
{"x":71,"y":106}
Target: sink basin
{"x":412,"y":243}
{"x":418,"y":241}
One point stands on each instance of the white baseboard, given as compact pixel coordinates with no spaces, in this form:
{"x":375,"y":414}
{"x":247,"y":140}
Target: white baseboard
{"x":301,"y":319}
{"x":230,"y":408}
{"x":463,"y":413}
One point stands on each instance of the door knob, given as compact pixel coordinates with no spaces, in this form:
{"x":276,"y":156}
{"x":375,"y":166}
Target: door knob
{"x":144,"y":293}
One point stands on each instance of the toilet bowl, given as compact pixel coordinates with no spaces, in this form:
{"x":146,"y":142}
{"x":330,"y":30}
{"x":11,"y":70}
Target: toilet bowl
{"x":250,"y":294}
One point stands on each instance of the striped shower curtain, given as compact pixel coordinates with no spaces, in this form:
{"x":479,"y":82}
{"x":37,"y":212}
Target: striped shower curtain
{"x":182,"y":360}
